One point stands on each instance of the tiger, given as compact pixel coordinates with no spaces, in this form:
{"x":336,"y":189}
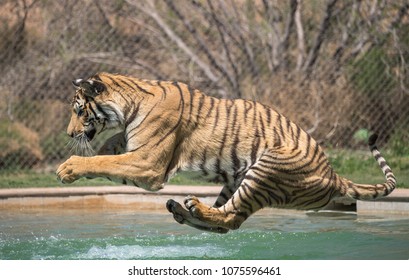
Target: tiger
{"x":261,"y":158}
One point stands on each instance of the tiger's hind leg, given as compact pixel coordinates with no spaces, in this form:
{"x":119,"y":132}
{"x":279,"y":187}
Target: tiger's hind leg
{"x":251,"y":196}
{"x":305,"y":182}
{"x":183,"y":216}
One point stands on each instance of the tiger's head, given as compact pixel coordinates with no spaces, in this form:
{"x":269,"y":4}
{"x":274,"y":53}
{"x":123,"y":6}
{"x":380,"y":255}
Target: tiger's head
{"x":91,"y":113}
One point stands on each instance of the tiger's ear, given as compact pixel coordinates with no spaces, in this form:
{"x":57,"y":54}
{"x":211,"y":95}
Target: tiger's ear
{"x":91,"y":87}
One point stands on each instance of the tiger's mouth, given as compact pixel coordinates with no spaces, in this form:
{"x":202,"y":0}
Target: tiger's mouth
{"x":90,"y":134}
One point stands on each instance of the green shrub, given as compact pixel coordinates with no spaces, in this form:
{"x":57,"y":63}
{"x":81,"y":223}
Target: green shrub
{"x":399,"y":142}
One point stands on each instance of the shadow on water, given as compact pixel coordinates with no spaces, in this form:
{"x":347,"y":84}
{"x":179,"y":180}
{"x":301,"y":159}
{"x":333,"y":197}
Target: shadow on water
{"x":125,"y":235}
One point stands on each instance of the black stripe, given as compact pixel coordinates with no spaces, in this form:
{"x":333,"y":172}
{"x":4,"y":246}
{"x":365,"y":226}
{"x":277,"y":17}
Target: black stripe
{"x":224,"y":197}
{"x":259,"y":167}
{"x":281,"y":161}
{"x":233,"y":204}
{"x":254,"y":194}
{"x":221,"y":172}
{"x":137,"y":148}
{"x":229,"y":104}
{"x":308,"y":146}
{"x":203,"y":163}
{"x":256,"y":180}
{"x":321,"y":160}
{"x":235,"y":159}
{"x":146,"y":116}
{"x":287,"y":181}
{"x":211,"y":107}
{"x":128,"y":99}
{"x":92,"y":111}
{"x":114,"y":82}
{"x":290,"y":129}
{"x":255,"y":116}
{"x":246,"y":110}
{"x":99,"y":108}
{"x":201,"y":102}
{"x":244,"y":188}
{"x":254,"y":149}
{"x":313,"y":191}
{"x":276,"y":182}
{"x":182,"y":109}
{"x":226,"y":130}
{"x":132,"y":116}
{"x":191,"y":95}
{"x":124,"y":82}
{"x":140,"y":88}
{"x":301,"y":170}
{"x":261,"y":121}
{"x":277,"y":139}
{"x":319,"y":199}
{"x":285,"y":159}
{"x":272,"y":184}
{"x":216,"y":118}
{"x":297,"y":138}
{"x":164,"y":92}
{"x":280,"y":126}
{"x":257,"y":193}
{"x":268,"y":113}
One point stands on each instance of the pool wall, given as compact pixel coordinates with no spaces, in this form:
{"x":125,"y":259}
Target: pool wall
{"x":122,"y":197}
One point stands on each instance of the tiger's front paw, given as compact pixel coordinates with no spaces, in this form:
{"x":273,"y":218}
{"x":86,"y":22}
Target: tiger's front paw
{"x":72,"y":169}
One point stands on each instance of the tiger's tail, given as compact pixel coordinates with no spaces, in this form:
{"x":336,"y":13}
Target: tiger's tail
{"x":370,"y":192}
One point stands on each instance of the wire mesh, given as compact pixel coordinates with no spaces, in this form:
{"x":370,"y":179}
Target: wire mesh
{"x":337,"y":68}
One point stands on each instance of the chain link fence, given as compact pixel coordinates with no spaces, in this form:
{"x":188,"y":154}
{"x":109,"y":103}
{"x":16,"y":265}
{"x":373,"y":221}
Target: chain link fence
{"x":337,"y":68}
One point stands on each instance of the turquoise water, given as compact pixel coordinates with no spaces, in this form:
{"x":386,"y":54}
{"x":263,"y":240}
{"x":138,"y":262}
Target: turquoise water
{"x":72,"y":234}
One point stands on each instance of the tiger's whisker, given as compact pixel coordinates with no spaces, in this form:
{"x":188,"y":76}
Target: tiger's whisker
{"x":80,"y":145}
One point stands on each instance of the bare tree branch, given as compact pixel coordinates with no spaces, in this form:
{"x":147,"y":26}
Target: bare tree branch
{"x":366,"y":42}
{"x":313,"y":54}
{"x":285,"y":41}
{"x":346,"y":31}
{"x":238,"y":29}
{"x":273,"y":36}
{"x":203,"y":46}
{"x":151,"y":11}
{"x":235,"y":81}
{"x":300,"y":36}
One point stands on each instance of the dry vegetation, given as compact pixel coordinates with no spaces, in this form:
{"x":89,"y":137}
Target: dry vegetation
{"x":338,"y":68}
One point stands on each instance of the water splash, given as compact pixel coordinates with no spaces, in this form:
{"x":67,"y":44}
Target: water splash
{"x":155,"y":252}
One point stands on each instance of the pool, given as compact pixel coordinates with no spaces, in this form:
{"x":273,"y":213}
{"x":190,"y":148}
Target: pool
{"x":108,"y":234}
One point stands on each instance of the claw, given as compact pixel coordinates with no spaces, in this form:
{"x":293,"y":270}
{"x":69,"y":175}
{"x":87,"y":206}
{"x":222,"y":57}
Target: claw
{"x":170,"y":205}
{"x":182,"y":216}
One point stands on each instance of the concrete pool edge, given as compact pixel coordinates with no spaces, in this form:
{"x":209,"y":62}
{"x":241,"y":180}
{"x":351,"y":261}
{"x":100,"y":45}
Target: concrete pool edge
{"x":123,"y":197}
{"x":100,"y":198}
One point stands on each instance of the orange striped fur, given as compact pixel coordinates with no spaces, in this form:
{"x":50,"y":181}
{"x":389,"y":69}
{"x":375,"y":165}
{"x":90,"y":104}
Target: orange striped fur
{"x":262,"y":158}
